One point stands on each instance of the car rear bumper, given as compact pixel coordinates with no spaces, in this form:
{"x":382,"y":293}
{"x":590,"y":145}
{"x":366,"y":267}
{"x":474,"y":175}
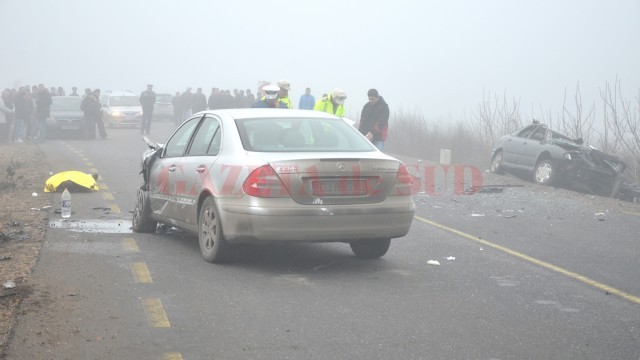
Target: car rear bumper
{"x":250,"y":224}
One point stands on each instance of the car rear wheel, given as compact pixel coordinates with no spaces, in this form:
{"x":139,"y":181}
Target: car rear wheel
{"x":370,"y":249}
{"x":142,"y":221}
{"x":212,"y":245}
{"x":496,"y":164}
{"x":546,"y":173}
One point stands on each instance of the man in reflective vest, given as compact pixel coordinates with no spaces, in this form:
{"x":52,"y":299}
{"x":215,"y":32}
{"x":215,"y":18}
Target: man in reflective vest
{"x":334,"y":105}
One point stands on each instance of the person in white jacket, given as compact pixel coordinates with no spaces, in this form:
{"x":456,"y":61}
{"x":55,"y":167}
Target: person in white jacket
{"x":6,"y":114}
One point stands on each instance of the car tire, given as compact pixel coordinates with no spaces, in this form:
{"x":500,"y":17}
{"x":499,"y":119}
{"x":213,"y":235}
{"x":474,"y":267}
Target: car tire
{"x":546,"y":173}
{"x":142,"y":221}
{"x":496,"y":163}
{"x":370,"y":249}
{"x":213,"y":247}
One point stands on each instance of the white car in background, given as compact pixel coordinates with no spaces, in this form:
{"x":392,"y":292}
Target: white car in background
{"x":121,"y":108}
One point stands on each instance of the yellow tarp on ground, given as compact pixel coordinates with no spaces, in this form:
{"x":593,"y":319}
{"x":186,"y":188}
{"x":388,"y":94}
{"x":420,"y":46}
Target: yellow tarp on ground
{"x":74,"y":181}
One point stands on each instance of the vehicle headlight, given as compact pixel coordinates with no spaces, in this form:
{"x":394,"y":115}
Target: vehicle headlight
{"x":567,"y":156}
{"x":51,"y":120}
{"x":116,"y":114}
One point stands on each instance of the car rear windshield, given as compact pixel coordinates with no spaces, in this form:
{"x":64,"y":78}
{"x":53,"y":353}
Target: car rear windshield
{"x":66,"y":104}
{"x":300,"y":135}
{"x":124,"y":101}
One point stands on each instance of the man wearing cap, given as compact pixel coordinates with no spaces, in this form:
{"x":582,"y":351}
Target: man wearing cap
{"x":334,"y":105}
{"x":148,"y":101}
{"x":374,"y":120}
{"x":283,"y":94}
{"x":270,"y":98}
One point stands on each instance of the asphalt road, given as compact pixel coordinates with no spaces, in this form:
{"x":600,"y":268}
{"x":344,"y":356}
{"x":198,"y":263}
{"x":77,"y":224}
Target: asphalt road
{"x":539,"y":273}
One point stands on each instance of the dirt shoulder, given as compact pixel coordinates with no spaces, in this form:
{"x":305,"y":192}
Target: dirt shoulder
{"x":23,"y":172}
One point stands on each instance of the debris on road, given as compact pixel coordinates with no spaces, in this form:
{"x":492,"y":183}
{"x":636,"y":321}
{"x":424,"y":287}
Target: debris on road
{"x":34,"y":194}
{"x":451,"y":258}
{"x":433,"y":262}
{"x":9,"y":284}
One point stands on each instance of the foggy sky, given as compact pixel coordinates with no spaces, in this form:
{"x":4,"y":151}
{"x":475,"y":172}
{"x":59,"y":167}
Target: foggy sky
{"x":436,"y":57}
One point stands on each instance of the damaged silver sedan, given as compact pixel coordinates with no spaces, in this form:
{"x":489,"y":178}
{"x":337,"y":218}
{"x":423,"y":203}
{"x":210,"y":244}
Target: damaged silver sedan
{"x":269,"y":175}
{"x":554,"y":159}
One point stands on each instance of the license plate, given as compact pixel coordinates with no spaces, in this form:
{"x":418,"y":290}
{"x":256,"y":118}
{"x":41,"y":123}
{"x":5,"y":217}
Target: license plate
{"x":339,"y":187}
{"x":70,"y":127}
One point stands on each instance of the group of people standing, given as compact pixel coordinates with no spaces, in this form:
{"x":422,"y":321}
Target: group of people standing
{"x":24,"y":113}
{"x":374,"y":119}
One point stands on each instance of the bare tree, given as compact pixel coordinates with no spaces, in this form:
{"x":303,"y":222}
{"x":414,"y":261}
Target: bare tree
{"x":577,"y":124}
{"x":498,"y":117}
{"x":621,"y":134}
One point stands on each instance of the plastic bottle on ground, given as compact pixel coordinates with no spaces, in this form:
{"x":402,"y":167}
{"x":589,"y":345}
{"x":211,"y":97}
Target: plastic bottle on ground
{"x":65,"y":208}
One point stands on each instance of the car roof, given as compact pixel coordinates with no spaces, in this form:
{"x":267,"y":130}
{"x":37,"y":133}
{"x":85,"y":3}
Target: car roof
{"x":120,"y":93}
{"x":250,"y":113}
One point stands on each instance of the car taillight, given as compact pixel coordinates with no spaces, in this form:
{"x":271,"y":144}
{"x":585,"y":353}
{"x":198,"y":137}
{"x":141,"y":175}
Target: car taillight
{"x":403,"y":182}
{"x":264,"y":182}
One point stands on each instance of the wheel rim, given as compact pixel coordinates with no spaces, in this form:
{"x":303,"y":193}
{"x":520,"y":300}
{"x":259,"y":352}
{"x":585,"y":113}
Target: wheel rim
{"x":497,"y":161}
{"x":543,"y":173}
{"x":137,"y":213}
{"x":209,"y":228}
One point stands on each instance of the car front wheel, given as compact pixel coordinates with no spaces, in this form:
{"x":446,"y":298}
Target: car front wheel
{"x":212,"y":245}
{"x":142,"y":221}
{"x":496,"y":164}
{"x":546,"y":173}
{"x":370,"y":249}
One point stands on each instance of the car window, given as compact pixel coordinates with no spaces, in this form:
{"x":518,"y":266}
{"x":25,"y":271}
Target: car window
{"x":178,"y":143}
{"x":163,"y":98}
{"x":124,"y":101}
{"x":538,"y":135}
{"x":524,"y":133}
{"x":214,"y":148}
{"x":204,"y":135}
{"x":300,"y":134}
{"x":60,"y":103}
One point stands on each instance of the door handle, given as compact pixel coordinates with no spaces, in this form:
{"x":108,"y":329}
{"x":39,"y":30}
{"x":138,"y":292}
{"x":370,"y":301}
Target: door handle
{"x":172,"y":168}
{"x":201,"y":168}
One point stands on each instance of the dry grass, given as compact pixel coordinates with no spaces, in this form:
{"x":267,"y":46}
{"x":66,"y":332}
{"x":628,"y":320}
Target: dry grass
{"x":23,"y":171}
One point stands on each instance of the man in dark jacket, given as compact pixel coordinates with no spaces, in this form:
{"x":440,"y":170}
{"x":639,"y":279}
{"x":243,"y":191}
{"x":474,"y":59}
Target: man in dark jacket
{"x":43,"y":111}
{"x":374,"y":120}
{"x":199,"y":101}
{"x":24,"y":110}
{"x":148,"y":101}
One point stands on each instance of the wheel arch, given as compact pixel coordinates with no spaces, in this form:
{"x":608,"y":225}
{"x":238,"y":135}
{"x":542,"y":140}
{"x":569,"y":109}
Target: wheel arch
{"x":545,"y":155}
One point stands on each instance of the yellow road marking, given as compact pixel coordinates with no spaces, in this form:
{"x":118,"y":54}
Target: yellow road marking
{"x":141,"y":272}
{"x":156,"y":317}
{"x":115,"y":209}
{"x":544,"y":264}
{"x":107,"y":196}
{"x":130,"y":245}
{"x":172,"y":356}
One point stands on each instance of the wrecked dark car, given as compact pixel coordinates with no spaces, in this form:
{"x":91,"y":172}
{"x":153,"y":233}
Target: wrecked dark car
{"x":555,"y":159}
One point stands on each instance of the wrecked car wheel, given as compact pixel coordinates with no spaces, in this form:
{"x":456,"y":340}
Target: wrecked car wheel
{"x":212,"y":245}
{"x":496,"y":164}
{"x":142,"y":221}
{"x":370,"y":249}
{"x":546,"y":173}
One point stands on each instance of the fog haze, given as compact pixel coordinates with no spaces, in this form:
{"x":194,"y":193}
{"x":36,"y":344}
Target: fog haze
{"x":437,"y":57}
